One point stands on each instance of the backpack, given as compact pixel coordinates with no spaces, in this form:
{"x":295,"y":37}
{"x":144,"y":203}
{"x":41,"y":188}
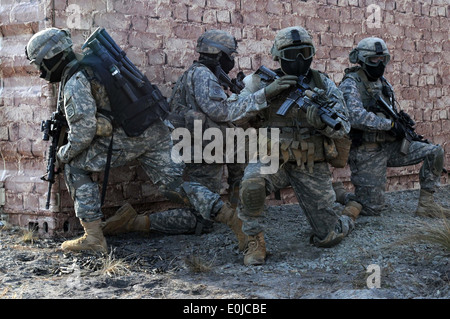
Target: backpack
{"x":135,"y":102}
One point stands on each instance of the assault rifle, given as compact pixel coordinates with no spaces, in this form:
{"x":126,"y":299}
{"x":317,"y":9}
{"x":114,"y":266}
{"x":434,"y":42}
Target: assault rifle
{"x":54,"y":128}
{"x":303,"y":96}
{"x":235,"y":85}
{"x":404,"y":122}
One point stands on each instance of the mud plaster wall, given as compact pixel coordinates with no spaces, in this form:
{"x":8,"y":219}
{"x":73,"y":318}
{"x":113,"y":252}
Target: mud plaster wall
{"x":160,"y":36}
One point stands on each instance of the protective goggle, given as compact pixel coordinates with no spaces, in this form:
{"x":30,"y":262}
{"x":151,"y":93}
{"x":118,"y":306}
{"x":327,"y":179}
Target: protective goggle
{"x":293,"y":53}
{"x":375,"y":60}
{"x":228,"y":51}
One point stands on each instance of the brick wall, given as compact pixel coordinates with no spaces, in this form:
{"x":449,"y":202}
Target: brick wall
{"x":160,"y":36}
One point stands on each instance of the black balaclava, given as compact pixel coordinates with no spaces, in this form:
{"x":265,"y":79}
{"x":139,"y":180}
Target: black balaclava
{"x":297,"y":67}
{"x":226,"y":63}
{"x":52,"y":69}
{"x":209,"y":60}
{"x":375,"y":72}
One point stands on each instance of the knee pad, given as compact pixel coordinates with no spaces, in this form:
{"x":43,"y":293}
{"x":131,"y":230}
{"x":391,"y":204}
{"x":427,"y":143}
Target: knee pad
{"x":253,"y":195}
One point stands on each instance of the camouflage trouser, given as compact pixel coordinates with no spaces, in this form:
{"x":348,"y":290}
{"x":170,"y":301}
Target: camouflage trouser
{"x":313,"y":191}
{"x":176,"y":221}
{"x":153,"y":151}
{"x":210,"y":175}
{"x":368,"y":164}
{"x":185,"y":220}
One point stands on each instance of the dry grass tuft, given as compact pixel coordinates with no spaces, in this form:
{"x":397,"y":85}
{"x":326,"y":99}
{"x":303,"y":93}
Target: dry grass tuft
{"x":29,"y":236}
{"x":114,"y":267}
{"x":439,"y":235}
{"x":197,"y":264}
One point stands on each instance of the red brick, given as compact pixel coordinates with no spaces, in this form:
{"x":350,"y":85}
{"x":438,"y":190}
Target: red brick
{"x":156,"y":38}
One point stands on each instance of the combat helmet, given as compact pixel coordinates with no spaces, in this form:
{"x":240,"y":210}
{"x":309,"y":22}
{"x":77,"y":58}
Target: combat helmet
{"x":215,"y":41}
{"x":290,"y":42}
{"x":46,"y":44}
{"x":369,"y":48}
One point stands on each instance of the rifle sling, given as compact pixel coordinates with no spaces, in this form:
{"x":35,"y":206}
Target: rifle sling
{"x":107,"y":167}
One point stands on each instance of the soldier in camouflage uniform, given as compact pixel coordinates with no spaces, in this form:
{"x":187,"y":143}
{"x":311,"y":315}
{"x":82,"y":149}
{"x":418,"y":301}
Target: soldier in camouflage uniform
{"x":302,"y":138}
{"x":89,"y":136}
{"x":377,"y":139}
{"x":199,"y":95}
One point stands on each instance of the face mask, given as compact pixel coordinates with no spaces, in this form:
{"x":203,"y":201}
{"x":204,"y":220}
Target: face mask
{"x":375,"y":72}
{"x":297,"y":67}
{"x":51,"y":69}
{"x":226,"y":63}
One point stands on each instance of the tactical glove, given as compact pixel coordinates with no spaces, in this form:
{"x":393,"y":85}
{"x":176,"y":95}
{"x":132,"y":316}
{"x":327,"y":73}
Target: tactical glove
{"x":313,"y":117}
{"x":397,"y":130}
{"x":279,"y":85}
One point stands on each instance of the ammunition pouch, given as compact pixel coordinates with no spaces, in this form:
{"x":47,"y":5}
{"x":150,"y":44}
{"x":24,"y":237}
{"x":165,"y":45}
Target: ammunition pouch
{"x":304,"y":149}
{"x":104,"y":126}
{"x":337,"y":151}
{"x":360,"y":137}
{"x":377,"y":137}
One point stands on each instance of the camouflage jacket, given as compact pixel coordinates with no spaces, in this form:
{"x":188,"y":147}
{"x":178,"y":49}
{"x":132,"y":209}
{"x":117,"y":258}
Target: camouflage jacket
{"x":295,"y":117}
{"x":81,"y":99}
{"x":357,"y":90}
{"x":198,"y":90}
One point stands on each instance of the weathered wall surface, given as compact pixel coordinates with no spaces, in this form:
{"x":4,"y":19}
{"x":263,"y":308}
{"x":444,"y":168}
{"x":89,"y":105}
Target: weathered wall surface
{"x":160,"y":36}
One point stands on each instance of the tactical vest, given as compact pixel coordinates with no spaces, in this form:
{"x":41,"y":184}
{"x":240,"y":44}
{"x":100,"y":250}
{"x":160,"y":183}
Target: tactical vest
{"x":184,"y":109}
{"x":183,"y":106}
{"x":299,"y":140}
{"x":367,"y":91}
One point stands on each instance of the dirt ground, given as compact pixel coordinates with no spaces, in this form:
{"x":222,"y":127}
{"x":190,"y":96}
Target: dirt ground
{"x":210,"y":266}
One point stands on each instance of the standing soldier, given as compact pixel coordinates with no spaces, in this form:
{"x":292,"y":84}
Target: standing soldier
{"x":303,"y":135}
{"x":377,"y":138}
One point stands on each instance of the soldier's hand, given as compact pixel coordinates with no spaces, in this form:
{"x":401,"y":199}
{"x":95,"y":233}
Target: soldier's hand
{"x":279,"y":85}
{"x":397,"y":130}
{"x":313,"y":118}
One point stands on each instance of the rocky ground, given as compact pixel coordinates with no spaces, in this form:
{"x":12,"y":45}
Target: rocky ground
{"x":210,"y":266}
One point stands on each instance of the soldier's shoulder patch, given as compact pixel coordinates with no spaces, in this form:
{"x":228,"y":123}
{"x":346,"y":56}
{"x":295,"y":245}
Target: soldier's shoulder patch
{"x":70,"y":111}
{"x":215,"y":91}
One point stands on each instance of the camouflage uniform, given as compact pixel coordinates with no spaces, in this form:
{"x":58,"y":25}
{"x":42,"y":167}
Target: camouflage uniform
{"x":83,"y":100}
{"x":86,"y":152}
{"x":200,"y":95}
{"x":374,"y":147}
{"x":303,"y":165}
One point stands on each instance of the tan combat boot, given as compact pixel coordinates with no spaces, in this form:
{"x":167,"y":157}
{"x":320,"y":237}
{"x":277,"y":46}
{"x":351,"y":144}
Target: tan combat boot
{"x":352,"y":209}
{"x":92,"y":239}
{"x":126,"y":220}
{"x":228,"y":216}
{"x":340,"y":191}
{"x":255,"y":253}
{"x":427,"y":206}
